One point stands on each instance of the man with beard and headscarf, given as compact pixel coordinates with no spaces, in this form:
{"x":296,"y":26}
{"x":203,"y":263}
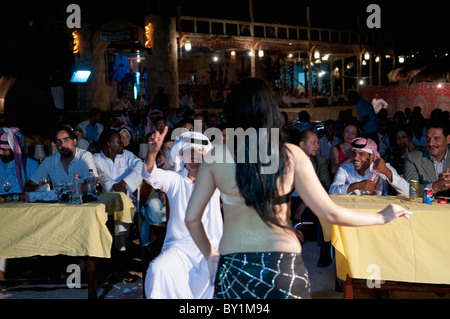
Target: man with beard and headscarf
{"x":15,"y":166}
{"x":64,"y":164}
{"x":119,"y":170}
{"x":180,"y":271}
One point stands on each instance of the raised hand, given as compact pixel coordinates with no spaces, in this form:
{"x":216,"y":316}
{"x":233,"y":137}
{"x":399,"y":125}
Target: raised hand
{"x":156,"y":140}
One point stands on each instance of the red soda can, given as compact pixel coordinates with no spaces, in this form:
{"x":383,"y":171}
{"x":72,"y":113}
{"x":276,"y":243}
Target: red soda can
{"x":427,"y":196}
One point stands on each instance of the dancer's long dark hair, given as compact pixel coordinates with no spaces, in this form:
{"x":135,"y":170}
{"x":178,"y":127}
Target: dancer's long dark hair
{"x":251,"y":105}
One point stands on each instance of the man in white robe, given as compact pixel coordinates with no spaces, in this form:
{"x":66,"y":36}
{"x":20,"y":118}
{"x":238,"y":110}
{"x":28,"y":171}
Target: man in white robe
{"x":180,"y":271}
{"x":118,"y":170}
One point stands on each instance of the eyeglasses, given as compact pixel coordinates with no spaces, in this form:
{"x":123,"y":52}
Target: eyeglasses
{"x":358,"y":144}
{"x":160,"y":124}
{"x":125,"y":137}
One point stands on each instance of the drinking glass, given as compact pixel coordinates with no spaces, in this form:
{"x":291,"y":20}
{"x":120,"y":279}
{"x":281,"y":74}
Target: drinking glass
{"x":6,"y":185}
{"x":58,"y":186}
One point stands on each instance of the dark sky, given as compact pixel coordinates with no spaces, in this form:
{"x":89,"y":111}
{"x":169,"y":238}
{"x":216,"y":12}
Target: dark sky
{"x":413,"y":22}
{"x":415,"y":26}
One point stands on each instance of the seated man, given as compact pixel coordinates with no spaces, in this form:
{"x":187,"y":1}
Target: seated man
{"x":353,"y":178}
{"x":62,"y":165}
{"x":180,"y":270}
{"x":92,"y":128}
{"x":15,"y":166}
{"x":155,"y":209}
{"x":118,"y":170}
{"x":431,"y":166}
{"x":309,"y":143}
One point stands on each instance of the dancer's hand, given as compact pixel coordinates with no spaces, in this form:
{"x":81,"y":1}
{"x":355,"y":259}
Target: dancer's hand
{"x":393,"y":211}
{"x":213,"y":262}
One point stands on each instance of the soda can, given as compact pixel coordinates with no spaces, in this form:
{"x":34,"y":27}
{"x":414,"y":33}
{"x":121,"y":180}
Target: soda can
{"x":427,"y":196}
{"x":413,"y":189}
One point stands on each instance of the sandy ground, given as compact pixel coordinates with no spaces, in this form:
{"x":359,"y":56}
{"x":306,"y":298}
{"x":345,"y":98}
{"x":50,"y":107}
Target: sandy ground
{"x":126,"y":281}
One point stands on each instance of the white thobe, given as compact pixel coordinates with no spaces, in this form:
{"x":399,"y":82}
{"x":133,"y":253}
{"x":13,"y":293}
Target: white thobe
{"x":126,"y":166}
{"x":379,"y":104}
{"x":180,"y":271}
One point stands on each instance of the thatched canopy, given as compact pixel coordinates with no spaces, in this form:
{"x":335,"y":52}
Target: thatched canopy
{"x":421,"y":72}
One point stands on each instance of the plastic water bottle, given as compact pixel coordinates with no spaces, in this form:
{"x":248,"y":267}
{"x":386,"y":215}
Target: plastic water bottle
{"x":77,"y":192}
{"x":375,"y":177}
{"x":91,"y":184}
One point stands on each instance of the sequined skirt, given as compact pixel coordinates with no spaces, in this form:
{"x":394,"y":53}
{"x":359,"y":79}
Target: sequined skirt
{"x":263,"y":275}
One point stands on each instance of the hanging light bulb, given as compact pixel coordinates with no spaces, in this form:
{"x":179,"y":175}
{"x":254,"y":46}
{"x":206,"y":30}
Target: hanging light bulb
{"x":260,"y":53}
{"x":316,"y":54}
{"x":366,"y":56}
{"x":187,"y":46}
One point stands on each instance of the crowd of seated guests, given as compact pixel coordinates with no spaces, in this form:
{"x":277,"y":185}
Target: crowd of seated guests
{"x":398,"y":136}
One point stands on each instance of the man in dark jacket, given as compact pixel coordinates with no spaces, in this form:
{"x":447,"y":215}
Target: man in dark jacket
{"x":431,"y":167}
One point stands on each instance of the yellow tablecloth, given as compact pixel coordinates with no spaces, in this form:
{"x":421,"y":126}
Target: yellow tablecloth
{"x":49,"y":229}
{"x":409,"y":251}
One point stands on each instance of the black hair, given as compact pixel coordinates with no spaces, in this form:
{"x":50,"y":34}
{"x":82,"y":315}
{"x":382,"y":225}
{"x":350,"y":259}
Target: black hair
{"x":329,"y":121}
{"x":251,"y":105}
{"x":66,"y":128}
{"x":405,"y":128}
{"x":106,"y":137}
{"x":441,"y":123}
{"x":94,"y":111}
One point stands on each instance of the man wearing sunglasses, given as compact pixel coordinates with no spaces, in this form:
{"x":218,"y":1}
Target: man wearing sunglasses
{"x":355,"y":177}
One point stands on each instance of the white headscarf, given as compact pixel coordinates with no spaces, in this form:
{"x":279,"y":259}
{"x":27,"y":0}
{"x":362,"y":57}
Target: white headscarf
{"x":174,"y":162}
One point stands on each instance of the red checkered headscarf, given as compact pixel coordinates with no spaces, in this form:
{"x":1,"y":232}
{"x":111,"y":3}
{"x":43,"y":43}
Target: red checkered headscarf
{"x":11,"y":138}
{"x":367,"y":145}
